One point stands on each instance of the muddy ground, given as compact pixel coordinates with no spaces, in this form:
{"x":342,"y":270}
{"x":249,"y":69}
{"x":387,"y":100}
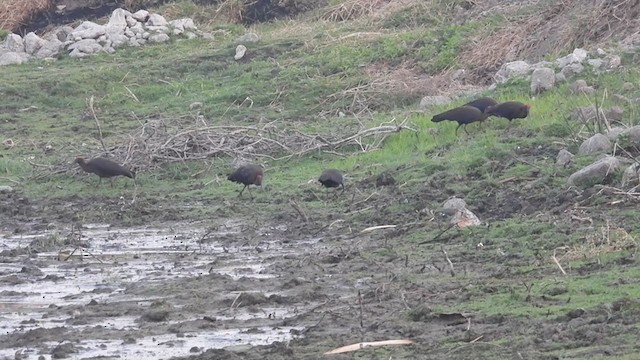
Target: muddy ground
{"x":277,"y":288}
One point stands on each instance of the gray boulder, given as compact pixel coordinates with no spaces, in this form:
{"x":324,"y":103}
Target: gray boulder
{"x":630,"y":136}
{"x":118,"y":19}
{"x":32,"y":43}
{"x":159,"y":38}
{"x":614,"y":132}
{"x":595,"y":173}
{"x":596,"y":64}
{"x":428,"y":102}
{"x":453,"y":205}
{"x":141,"y":15}
{"x":12,"y":58}
{"x":576,"y":85}
{"x":572,"y":70}
{"x":84,"y":48}
{"x":5,"y":189}
{"x":14,"y":43}
{"x":578,"y":56}
{"x":596,"y":144}
{"x":614,"y":61}
{"x":88,"y":30}
{"x":510,"y":70}
{"x":587,"y":114}
{"x":542,"y":79}
{"x":156,"y":20}
{"x":49,"y":49}
{"x":630,"y":176}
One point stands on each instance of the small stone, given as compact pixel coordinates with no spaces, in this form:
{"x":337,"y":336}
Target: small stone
{"x":575,"y":87}
{"x":586,"y":90}
{"x":240,"y":51}
{"x":614,"y":61}
{"x":195,"y":105}
{"x":614,"y":132}
{"x":452,"y":205}
{"x":601,"y":52}
{"x":564,"y":158}
{"x":571,"y":70}
{"x":596,"y":64}
{"x":4,"y":189}
{"x":627,"y":86}
{"x":13,"y":58}
{"x":615,"y":113}
{"x":560,"y":78}
{"x":620,"y":99}
{"x":630,"y":177}
{"x":159,"y":38}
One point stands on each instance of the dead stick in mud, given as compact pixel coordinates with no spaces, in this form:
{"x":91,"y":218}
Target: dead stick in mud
{"x":453,"y":273}
{"x":95,"y":117}
{"x":555,"y":259}
{"x":299,"y":210}
{"x":438,"y":236}
{"x":361,"y":306}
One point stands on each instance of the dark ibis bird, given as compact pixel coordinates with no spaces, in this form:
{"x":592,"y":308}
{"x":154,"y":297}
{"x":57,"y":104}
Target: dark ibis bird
{"x":247,"y":175}
{"x":332,"y":178}
{"x":463,"y":115}
{"x":509,"y":110}
{"x":482,"y":103}
{"x":105,"y":168}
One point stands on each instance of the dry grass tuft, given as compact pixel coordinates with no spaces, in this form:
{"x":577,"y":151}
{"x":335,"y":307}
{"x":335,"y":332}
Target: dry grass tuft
{"x":14,"y":14}
{"x":352,"y":9}
{"x":606,"y":240}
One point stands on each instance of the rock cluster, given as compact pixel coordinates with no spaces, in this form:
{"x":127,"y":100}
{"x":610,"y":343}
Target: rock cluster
{"x":123,"y":29}
{"x":545,"y":74}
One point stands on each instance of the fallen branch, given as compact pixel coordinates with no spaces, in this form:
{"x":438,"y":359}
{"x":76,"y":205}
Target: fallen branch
{"x":453,"y":273}
{"x":555,"y":259}
{"x":299,"y":210}
{"x":362,"y":345}
{"x":95,"y":117}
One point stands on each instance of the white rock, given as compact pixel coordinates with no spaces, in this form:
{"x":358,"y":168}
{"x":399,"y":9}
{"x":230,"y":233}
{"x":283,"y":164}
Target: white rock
{"x":130,"y":21}
{"x":88,"y":30}
{"x":129,"y":33}
{"x":86,"y":46}
{"x":190,"y":35}
{"x":177,"y":31}
{"x":11,"y":58}
{"x":159,"y":38}
{"x":510,"y":70}
{"x":453,"y":204}
{"x":240,"y":51}
{"x":50,"y":49}
{"x":137,"y":29}
{"x":5,"y":189}
{"x":158,"y":29}
{"x":78,"y":54}
{"x":32,"y":43}
{"x":118,"y":19}
{"x":141,"y":15}
{"x":630,"y":177}
{"x":134,"y":42}
{"x":613,"y":134}
{"x":542,"y":79}
{"x":156,"y":20}
{"x":184,"y":24}
{"x":571,"y":70}
{"x":14,"y":43}
{"x":601,"y":52}
{"x":595,"y":63}
{"x":145,"y":35}
{"x":108,"y":49}
{"x":580,"y":54}
{"x":118,"y":40}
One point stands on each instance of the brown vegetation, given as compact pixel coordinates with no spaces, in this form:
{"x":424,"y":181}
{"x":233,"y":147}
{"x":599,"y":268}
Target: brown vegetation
{"x":14,"y":14}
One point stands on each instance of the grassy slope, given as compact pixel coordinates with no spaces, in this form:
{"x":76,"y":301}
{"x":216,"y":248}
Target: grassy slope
{"x":504,"y":172}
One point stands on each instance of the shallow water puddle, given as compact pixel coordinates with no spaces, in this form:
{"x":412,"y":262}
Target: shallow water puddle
{"x":31,"y":285}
